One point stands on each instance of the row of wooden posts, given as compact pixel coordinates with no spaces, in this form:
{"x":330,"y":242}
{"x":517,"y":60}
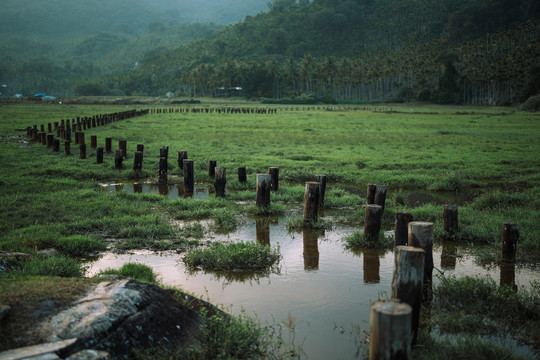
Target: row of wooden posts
{"x":260,"y":110}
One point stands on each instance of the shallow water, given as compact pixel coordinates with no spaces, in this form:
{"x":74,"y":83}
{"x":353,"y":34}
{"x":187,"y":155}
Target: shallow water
{"x":323,"y":288}
{"x":173,"y":192}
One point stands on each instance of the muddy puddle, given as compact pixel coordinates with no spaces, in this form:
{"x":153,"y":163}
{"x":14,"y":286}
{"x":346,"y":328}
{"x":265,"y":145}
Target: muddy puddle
{"x":322,"y":288}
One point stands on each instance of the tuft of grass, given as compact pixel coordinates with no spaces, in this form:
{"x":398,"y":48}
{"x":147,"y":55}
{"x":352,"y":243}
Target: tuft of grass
{"x":80,"y":245}
{"x":225,"y":220}
{"x":298,"y":224}
{"x":136,"y":271}
{"x":61,"y":266}
{"x":232,"y":256}
{"x":448,"y":181}
{"x":272,"y":209}
{"x":358,"y":240}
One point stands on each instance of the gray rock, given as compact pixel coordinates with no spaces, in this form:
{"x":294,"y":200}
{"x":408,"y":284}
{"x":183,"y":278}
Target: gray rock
{"x":90,"y":355}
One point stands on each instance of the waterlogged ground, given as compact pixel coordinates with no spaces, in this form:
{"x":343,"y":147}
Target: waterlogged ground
{"x":321,"y":289}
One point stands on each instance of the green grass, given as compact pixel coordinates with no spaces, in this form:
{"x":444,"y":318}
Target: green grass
{"x":358,"y":240}
{"x":136,"y":271}
{"x":61,"y":266}
{"x":233,"y":256}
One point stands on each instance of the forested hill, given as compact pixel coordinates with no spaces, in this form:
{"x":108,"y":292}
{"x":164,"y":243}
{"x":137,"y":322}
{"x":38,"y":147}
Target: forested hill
{"x":473,"y":51}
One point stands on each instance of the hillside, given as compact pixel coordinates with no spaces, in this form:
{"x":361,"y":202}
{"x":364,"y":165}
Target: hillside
{"x":478,"y":52}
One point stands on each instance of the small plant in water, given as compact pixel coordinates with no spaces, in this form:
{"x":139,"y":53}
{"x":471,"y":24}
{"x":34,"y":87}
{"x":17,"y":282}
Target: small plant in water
{"x":136,"y":271}
{"x":359,"y":240}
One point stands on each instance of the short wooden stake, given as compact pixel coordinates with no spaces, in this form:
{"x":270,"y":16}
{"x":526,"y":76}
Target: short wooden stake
{"x":81,"y":138}
{"x":401,"y":228}
{"x":311,"y":202}
{"x":450,"y":218}
{"x":322,"y":191}
{"x":93,"y":141}
{"x":510,"y":236}
{"x":370,"y":194}
{"x":220,"y":182}
{"x":421,"y":236}
{"x":380,"y":195}
{"x":138,"y":160}
{"x":43,"y":138}
{"x":67,"y":147}
{"x":263,"y":190}
{"x":118,"y":159}
{"x":82,"y":151}
{"x":162,"y":175}
{"x":99,"y":155}
{"x":140,"y":147}
{"x":408,"y":280}
{"x":182,"y":155}
{"x":50,"y":140}
{"x":212,"y":168}
{"x":56,"y":145}
{"x":188,"y":176}
{"x":242,"y":177}
{"x":122,"y":145}
{"x":164,"y":152}
{"x":274,"y":178}
{"x":372,"y":221}
{"x":108,"y":144}
{"x":390,"y":324}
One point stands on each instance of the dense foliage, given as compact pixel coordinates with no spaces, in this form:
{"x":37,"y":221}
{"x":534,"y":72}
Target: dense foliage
{"x":477,"y":52}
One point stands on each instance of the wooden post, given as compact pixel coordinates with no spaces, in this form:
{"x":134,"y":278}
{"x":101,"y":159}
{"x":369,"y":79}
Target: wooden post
{"x":510,"y":236}
{"x":140,"y":147}
{"x":182,"y":155}
{"x":263,"y":190}
{"x":108,"y":144}
{"x":49,"y":127}
{"x":82,"y":151}
{"x":380,"y":195}
{"x":212,"y":168}
{"x":67,"y":147}
{"x":188,"y":176}
{"x":99,"y":155}
{"x":274,"y":178}
{"x":93,"y":141}
{"x":164,"y":152}
{"x":118,"y":158}
{"x":322,"y":180}
{"x":401,"y":228}
{"x":450,"y":218}
{"x":408,"y":280}
{"x":122,"y":145}
{"x":56,"y":145}
{"x":372,"y":221}
{"x":311,"y":202}
{"x":50,"y":140}
{"x":421,"y":236}
{"x":220,"y":181}
{"x":43,"y":138}
{"x":390,"y":324}
{"x":242,"y":178}
{"x":162,"y":175}
{"x":137,"y":161}
{"x":370,"y":194}
{"x":81,"y":138}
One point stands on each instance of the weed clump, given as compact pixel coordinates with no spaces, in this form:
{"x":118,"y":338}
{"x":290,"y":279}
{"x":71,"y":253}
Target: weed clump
{"x":358,"y":240}
{"x":136,"y":271}
{"x":232,"y":256}
{"x":61,"y":266}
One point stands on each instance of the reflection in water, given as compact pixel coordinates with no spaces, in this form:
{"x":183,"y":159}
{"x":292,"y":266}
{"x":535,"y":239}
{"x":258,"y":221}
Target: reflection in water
{"x":163,"y":189}
{"x":173,"y":192}
{"x":448,"y":255}
{"x":371,"y":266}
{"x":311,"y":249}
{"x":262,"y":226}
{"x":137,"y":188}
{"x":508,"y":274}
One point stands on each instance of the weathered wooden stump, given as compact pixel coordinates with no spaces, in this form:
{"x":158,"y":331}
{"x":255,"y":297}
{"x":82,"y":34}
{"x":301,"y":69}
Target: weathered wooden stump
{"x":408,"y":280}
{"x":122,"y":145}
{"x":99,"y":155}
{"x":370,"y":194}
{"x":390,"y":324}
{"x":118,"y":159}
{"x":56,"y":145}
{"x":49,"y":127}
{"x":421,"y":236}
{"x":67,"y":147}
{"x":322,"y":191}
{"x":263,"y":190}
{"x":401,"y":228}
{"x":82,"y":151}
{"x":164,"y":152}
{"x":50,"y":140}
{"x":274,"y":178}
{"x":372,"y":221}
{"x":380,"y":195}
{"x":311,"y":202}
{"x":93,"y":141}
{"x":138,"y":160}
{"x":242,"y":176}
{"x":81,"y":138}
{"x":188,"y":176}
{"x":108,"y":144}
{"x":220,"y":182}
{"x":182,"y":155}
{"x":162,"y":174}
{"x":510,"y":236}
{"x":140,"y":147}
{"x":212,"y":168}
{"x":450,"y":218}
